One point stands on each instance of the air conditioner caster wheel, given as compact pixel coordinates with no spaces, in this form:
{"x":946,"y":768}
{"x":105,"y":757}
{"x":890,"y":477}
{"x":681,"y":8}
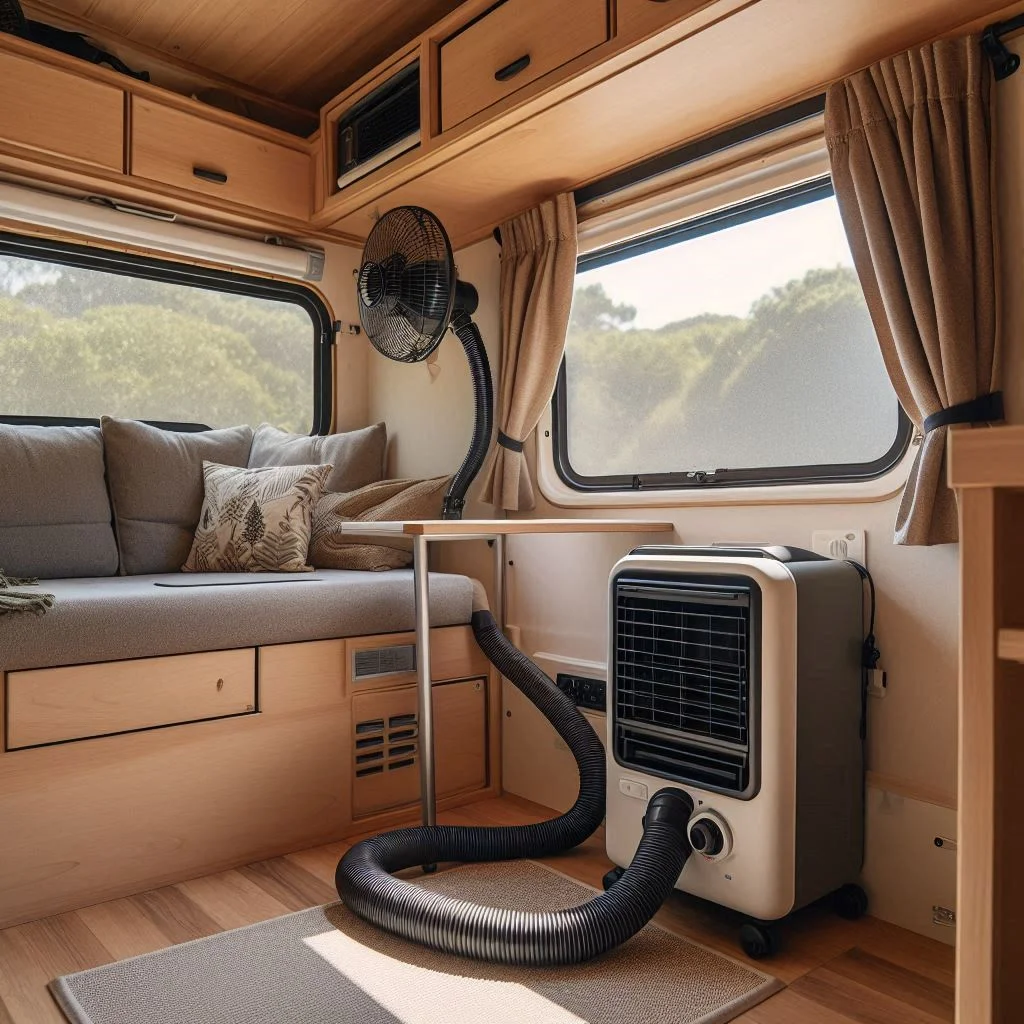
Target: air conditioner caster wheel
{"x":759,"y":940}
{"x":850,"y":902}
{"x":611,"y":877}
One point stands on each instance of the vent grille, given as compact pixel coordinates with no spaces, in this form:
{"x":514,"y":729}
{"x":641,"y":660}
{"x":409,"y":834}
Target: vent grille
{"x":385,"y":746}
{"x":383,"y":661}
{"x":682,"y":681}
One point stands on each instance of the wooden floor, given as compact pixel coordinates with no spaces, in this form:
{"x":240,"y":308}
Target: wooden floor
{"x":838,"y":972}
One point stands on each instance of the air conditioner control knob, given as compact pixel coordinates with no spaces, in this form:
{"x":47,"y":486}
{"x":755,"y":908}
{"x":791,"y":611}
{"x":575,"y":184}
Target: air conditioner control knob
{"x":706,"y":837}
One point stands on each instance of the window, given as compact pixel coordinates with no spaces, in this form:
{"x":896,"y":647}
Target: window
{"x":86,"y":332}
{"x":734,"y":349}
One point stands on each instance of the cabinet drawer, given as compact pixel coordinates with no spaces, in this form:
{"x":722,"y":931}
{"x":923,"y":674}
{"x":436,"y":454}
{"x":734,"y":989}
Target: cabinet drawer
{"x":637,"y":17}
{"x":386,"y":750}
{"x":512,"y":45}
{"x":56,"y":112}
{"x":182,"y":149}
{"x":52,"y":705}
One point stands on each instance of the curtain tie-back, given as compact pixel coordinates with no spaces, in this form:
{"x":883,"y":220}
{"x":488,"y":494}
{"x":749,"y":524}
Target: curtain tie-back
{"x":984,"y":409}
{"x":510,"y":442}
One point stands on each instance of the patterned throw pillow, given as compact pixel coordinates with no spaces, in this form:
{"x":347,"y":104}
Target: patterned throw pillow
{"x":386,"y":501}
{"x":256,"y":520}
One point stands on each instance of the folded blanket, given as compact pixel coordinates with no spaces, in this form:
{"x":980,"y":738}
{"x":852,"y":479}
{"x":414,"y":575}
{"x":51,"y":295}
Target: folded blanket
{"x":16,"y":601}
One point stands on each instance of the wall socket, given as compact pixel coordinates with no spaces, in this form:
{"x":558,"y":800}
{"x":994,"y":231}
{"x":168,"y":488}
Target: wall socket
{"x":840,"y":544}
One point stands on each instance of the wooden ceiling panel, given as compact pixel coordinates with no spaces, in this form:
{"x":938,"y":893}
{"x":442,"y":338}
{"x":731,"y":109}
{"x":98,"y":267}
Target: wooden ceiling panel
{"x":302,"y":52}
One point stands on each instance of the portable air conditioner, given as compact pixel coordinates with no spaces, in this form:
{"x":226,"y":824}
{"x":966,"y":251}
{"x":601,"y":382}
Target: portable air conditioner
{"x":735,"y":674}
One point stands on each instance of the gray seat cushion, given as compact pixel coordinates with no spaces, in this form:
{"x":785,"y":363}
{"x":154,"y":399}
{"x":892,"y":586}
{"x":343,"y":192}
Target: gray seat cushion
{"x":122,"y":617}
{"x":156,"y":487}
{"x":357,"y":456}
{"x":55,"y":517}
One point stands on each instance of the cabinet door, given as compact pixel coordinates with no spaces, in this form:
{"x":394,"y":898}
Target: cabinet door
{"x":511,"y":46}
{"x":183,"y":149}
{"x":386,"y":745}
{"x":638,"y":17}
{"x":54,"y":111}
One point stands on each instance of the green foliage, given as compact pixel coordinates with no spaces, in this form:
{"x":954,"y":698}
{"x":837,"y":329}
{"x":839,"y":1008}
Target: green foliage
{"x":652,"y":400}
{"x":81,"y":343}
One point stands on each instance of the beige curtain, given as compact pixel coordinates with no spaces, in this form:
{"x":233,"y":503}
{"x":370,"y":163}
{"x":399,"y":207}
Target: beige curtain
{"x":910,"y":143}
{"x":538,"y":268}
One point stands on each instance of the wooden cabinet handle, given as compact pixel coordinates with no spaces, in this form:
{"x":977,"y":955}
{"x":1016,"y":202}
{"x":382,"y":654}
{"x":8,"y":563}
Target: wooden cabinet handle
{"x":513,"y":69}
{"x":217,"y":177}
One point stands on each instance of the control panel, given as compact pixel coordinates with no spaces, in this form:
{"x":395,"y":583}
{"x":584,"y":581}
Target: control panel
{"x":584,"y":692}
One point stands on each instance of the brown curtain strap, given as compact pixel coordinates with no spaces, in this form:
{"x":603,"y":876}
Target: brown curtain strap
{"x":510,"y":442}
{"x":984,"y":409}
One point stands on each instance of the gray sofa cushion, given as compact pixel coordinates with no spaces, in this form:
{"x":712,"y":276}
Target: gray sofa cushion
{"x":156,"y":487}
{"x":357,"y":456}
{"x":123,"y":617}
{"x":55,"y":517}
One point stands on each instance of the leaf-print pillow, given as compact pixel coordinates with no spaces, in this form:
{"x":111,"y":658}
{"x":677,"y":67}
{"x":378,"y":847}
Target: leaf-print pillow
{"x":256,"y":520}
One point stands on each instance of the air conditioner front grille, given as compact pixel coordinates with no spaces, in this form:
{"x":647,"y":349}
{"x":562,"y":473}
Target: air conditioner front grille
{"x":683,"y":680}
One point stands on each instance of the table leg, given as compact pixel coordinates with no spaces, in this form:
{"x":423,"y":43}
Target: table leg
{"x":499,"y":580}
{"x":420,"y":570}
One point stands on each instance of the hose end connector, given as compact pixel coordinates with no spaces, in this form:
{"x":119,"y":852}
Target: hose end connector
{"x":672,"y":807}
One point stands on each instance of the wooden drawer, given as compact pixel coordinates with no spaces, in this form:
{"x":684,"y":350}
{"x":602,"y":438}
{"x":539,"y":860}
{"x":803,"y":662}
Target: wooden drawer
{"x":638,"y":17}
{"x":385,"y":745}
{"x":514,"y":44}
{"x":55,"y":112}
{"x":52,"y":705}
{"x":182,"y":149}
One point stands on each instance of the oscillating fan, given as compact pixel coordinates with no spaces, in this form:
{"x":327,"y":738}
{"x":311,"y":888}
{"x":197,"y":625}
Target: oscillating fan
{"x":409,"y":295}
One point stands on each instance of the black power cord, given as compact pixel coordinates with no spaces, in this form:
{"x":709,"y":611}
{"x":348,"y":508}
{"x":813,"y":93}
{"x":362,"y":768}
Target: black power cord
{"x":870,"y":655}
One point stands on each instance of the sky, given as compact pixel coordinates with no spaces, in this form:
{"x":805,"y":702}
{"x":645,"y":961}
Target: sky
{"x":725,"y":272}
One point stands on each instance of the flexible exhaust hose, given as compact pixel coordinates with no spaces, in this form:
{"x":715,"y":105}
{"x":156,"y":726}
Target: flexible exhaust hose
{"x":483,"y":392}
{"x":366,"y":885}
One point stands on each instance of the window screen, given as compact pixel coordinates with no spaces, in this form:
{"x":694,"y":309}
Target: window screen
{"x":85,"y":333}
{"x":735,"y":349}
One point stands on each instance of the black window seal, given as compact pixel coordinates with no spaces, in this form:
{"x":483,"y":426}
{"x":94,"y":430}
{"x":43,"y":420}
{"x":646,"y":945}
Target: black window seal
{"x":150,"y":268}
{"x":698,"y":477}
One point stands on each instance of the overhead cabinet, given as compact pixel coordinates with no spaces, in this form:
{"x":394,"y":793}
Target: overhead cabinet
{"x":512,"y":45}
{"x":45,"y":109}
{"x":177,"y":148}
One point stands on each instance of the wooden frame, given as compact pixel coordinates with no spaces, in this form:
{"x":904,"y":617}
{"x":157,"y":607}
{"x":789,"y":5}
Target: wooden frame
{"x":95,"y":819}
{"x":985,"y":467}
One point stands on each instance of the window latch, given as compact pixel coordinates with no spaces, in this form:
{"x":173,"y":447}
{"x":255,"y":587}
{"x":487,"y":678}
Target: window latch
{"x":702,"y":476}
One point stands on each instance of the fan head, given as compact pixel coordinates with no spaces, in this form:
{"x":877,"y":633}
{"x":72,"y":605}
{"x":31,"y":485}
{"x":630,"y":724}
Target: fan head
{"x":407,"y":284}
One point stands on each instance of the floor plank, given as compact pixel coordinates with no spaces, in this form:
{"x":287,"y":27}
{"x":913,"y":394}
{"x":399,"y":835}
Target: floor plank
{"x":839,"y":972}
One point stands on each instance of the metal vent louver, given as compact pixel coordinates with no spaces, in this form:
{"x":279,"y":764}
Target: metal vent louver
{"x":682,"y":682}
{"x":385,"y":745}
{"x":383,"y":661}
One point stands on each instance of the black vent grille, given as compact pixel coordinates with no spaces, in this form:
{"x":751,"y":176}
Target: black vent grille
{"x":683,"y":681}
{"x":385,"y":117}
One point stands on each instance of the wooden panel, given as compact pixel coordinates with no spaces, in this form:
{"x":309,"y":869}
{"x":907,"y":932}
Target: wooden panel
{"x":460,"y":737}
{"x":637,"y":17}
{"x":534,"y":36}
{"x":87,"y":822}
{"x":454,"y":654}
{"x":1010,"y":645}
{"x":303,"y":53}
{"x":57,"y":704}
{"x":171,"y":146}
{"x":992,"y":457}
{"x":59,"y":113}
{"x":391,"y":776}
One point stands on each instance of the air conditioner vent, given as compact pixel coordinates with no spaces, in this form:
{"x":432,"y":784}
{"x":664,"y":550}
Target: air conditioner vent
{"x":393,"y":743}
{"x":674,"y":758}
{"x":383,"y":661}
{"x":682,"y":661}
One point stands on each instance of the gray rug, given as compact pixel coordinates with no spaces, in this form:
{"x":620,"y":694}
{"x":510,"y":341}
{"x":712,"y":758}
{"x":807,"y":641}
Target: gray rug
{"x":325,"y":966}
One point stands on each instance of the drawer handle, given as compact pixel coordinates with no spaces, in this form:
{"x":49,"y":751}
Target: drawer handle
{"x":513,"y":69}
{"x":217,"y":177}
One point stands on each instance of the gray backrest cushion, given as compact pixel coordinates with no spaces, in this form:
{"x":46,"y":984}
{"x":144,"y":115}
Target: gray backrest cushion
{"x":156,"y":487}
{"x":55,"y":518}
{"x":357,"y":456}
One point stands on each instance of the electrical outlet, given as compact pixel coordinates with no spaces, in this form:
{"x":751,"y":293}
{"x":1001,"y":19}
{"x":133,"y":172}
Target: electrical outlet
{"x":839,"y":544}
{"x":877,"y":682}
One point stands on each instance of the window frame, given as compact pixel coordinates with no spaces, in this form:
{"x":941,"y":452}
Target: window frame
{"x":151,"y":268}
{"x":708,"y":478}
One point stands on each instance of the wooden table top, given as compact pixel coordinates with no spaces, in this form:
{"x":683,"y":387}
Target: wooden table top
{"x":455,"y":528}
